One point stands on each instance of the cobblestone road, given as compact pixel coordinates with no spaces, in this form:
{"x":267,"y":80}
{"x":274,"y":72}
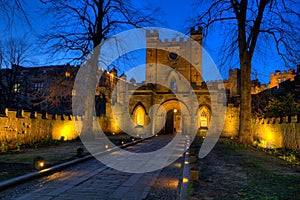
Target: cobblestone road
{"x":93,"y":180}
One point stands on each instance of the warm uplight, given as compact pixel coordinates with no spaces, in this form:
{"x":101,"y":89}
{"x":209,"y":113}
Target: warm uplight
{"x":39,"y":163}
{"x":185,"y":180}
{"x":178,"y":165}
{"x":65,"y":132}
{"x":175,"y":110}
{"x":106,"y":146}
{"x":186,"y":162}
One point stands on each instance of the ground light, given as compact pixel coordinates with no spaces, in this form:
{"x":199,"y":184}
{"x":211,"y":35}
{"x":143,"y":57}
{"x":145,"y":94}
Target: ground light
{"x":80,"y":152}
{"x":39,"y":163}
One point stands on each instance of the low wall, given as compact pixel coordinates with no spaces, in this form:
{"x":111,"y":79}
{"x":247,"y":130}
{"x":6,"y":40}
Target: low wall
{"x":17,"y":128}
{"x":270,"y":132}
{"x":27,"y":128}
{"x":278,"y":133}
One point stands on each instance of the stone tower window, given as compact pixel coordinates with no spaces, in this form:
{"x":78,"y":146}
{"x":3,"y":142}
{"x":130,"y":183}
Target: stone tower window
{"x":173,"y":84}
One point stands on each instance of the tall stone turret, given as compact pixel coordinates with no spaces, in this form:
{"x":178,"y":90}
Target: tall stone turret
{"x":196,"y":54}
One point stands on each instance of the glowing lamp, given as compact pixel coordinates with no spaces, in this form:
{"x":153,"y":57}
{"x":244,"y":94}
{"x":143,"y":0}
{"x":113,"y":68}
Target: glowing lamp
{"x":39,"y":163}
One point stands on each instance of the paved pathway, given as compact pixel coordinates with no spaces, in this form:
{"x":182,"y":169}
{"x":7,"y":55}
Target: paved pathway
{"x":93,"y":180}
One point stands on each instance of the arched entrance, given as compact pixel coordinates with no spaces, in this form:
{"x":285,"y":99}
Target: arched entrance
{"x":174,"y":116}
{"x":173,"y":122}
{"x":169,"y":125}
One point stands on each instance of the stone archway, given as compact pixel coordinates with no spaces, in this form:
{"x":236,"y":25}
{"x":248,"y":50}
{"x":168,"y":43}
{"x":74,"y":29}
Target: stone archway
{"x":173,"y":116}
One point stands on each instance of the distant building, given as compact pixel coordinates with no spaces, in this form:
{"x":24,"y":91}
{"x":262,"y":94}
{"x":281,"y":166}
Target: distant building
{"x":44,"y":89}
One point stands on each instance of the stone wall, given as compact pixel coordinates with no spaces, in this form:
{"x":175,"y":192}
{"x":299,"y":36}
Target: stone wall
{"x":18,"y":128}
{"x":231,"y":123}
{"x":27,"y":128}
{"x":278,"y":133}
{"x":268,"y":132}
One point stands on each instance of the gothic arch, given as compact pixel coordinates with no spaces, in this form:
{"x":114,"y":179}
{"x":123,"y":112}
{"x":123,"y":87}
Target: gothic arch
{"x":139,"y":116}
{"x":172,"y":79}
{"x":204,"y":115}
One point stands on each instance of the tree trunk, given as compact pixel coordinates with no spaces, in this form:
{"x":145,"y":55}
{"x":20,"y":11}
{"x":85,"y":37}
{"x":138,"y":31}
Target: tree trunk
{"x":90,"y":83}
{"x":245,"y":132}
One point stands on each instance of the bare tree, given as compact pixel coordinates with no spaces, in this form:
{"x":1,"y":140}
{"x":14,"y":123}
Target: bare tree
{"x":81,"y":25}
{"x":13,"y":82}
{"x":12,"y":9}
{"x":248,"y":25}
{"x":15,"y":51}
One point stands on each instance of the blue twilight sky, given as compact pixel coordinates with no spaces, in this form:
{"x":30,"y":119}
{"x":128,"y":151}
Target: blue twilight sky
{"x":174,"y":14}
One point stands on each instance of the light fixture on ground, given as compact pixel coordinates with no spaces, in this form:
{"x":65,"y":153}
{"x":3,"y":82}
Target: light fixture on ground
{"x":80,"y":152}
{"x":39,"y":163}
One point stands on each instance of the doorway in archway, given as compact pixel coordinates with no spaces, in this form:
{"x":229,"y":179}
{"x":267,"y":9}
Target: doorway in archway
{"x":169,"y":126}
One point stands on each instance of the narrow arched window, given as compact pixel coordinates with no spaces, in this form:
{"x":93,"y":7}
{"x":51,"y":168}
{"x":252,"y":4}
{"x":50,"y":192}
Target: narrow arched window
{"x":173,"y":84}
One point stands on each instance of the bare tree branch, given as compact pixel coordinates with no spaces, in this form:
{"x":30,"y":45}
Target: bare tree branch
{"x":81,"y":25}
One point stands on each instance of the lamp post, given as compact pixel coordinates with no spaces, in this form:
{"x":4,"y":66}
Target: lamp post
{"x":174,"y":113}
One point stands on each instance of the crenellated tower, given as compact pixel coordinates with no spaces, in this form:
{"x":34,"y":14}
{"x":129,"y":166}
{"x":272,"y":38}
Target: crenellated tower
{"x":167,"y":52}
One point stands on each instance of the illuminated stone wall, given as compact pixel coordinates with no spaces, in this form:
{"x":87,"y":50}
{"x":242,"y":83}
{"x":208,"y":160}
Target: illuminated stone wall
{"x":29,"y":128}
{"x":231,"y":123}
{"x":278,"y":132}
{"x":268,"y":132}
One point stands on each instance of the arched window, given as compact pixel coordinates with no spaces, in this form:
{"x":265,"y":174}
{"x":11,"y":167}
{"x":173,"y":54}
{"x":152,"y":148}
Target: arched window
{"x":139,"y":116}
{"x":203,"y":117}
{"x":173,"y":84}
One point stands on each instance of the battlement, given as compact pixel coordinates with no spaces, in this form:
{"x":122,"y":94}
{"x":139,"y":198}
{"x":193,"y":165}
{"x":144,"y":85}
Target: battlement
{"x":284,"y":72}
{"x":152,"y":33}
{"x":26,"y":115}
{"x":278,"y":77}
{"x":278,"y":120}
